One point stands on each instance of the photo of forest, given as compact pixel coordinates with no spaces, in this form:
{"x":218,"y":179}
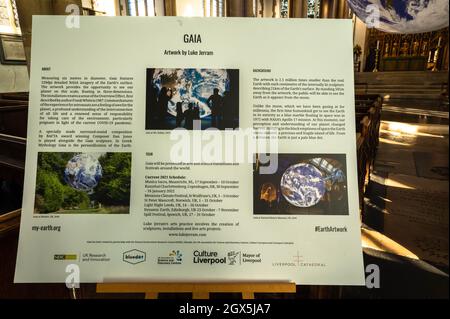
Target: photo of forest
{"x":83,"y":183}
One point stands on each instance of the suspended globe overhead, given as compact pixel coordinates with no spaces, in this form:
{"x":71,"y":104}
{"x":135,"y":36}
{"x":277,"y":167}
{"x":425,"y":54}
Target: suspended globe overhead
{"x":402,"y":16}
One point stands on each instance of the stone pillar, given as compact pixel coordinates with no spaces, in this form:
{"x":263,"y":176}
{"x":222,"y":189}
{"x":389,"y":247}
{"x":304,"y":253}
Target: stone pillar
{"x":328,"y":9}
{"x":323,"y":9}
{"x":298,"y":9}
{"x":275,"y":9}
{"x":332,"y":13}
{"x":342,"y":9}
{"x":26,"y":9}
{"x":160,"y":9}
{"x":170,"y":7}
{"x":271,"y":8}
{"x":235,"y":8}
{"x":248,"y":9}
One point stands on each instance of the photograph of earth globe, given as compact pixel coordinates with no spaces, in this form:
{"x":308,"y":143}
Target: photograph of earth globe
{"x":304,"y":184}
{"x":83,"y":183}
{"x":192,"y":99}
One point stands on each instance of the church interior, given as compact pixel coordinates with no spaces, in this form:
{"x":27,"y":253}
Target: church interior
{"x":402,"y":131}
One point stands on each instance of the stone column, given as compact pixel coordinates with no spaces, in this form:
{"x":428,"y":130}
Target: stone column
{"x":332,"y":13}
{"x":235,"y":8}
{"x":328,"y":9}
{"x":324,"y":9}
{"x":248,"y":9}
{"x":298,"y":9}
{"x":160,"y":9}
{"x":270,"y":8}
{"x":26,"y":9}
{"x":170,"y":7}
{"x":342,"y":9}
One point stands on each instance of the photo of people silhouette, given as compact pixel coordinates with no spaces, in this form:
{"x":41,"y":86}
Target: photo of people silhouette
{"x":192,"y":99}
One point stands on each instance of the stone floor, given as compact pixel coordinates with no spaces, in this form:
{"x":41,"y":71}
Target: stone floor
{"x":407,"y":198}
{"x":408,"y":194}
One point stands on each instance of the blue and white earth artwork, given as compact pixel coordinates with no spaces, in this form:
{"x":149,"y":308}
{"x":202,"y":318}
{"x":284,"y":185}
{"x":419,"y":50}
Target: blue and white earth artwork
{"x":191,"y":86}
{"x":83,"y":172}
{"x":302,"y":185}
{"x":404,"y":16}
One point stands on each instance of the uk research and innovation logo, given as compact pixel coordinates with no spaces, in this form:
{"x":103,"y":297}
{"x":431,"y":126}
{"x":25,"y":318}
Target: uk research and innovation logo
{"x":65,"y":257}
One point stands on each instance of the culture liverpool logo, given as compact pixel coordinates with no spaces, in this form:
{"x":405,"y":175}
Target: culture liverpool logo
{"x":175,"y":257}
{"x":208,"y":257}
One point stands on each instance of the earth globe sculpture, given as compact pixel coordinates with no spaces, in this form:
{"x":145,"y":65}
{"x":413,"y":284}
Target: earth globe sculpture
{"x":402,"y":16}
{"x":83,"y":172}
{"x":191,"y":86}
{"x":302,"y":185}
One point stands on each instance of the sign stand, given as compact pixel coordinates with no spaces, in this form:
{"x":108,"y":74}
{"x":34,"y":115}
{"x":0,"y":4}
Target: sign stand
{"x":198,"y":290}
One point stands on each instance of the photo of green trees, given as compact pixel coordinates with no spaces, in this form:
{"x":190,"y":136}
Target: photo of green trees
{"x":83,"y":183}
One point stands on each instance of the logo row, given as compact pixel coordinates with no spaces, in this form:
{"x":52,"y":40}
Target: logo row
{"x":175,"y":257}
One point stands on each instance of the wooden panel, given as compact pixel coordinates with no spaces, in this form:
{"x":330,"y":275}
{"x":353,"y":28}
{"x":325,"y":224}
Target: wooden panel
{"x":198,"y":290}
{"x":13,"y":120}
{"x":408,"y":63}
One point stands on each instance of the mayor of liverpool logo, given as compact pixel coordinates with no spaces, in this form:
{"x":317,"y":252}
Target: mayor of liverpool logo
{"x":234,"y":258}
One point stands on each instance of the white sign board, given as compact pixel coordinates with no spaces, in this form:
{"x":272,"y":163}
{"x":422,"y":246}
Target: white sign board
{"x":191,"y":149}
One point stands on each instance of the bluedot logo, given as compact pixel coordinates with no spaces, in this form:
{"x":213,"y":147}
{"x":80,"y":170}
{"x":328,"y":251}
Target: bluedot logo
{"x":134,"y":256}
